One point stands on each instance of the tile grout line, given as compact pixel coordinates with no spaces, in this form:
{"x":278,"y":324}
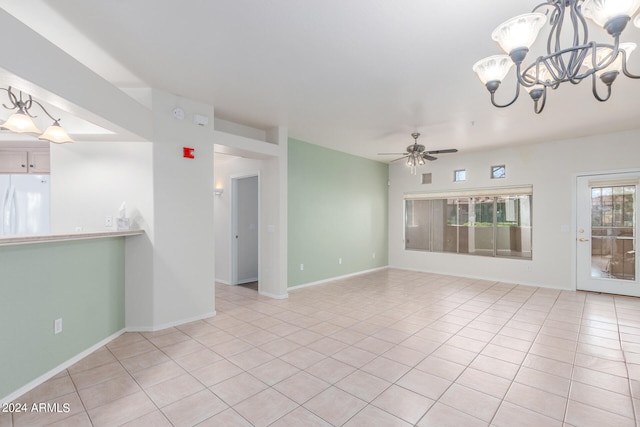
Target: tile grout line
{"x":573,"y":363}
{"x":624,"y":358}
{"x":527,"y":352}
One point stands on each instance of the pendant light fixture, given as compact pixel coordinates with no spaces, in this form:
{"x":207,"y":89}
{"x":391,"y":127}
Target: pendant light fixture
{"x":581,"y":59}
{"x":21,"y":121}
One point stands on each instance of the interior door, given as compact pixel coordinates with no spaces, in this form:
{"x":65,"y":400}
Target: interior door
{"x":246,"y":218}
{"x":606,"y":233}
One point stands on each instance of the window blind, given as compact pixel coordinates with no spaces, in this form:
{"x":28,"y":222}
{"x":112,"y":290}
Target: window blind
{"x":494,"y":191}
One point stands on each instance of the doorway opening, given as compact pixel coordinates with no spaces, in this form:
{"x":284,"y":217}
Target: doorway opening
{"x":238,"y":222}
{"x":231,"y":162}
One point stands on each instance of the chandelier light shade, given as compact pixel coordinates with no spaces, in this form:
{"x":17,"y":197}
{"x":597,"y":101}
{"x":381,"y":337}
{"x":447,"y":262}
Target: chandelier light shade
{"x":519,"y":32}
{"x":570,"y":55}
{"x":603,"y":11}
{"x":493,"y":68}
{"x":540,"y":74}
{"x":603,"y":53}
{"x":21,"y":121}
{"x":56,"y":133}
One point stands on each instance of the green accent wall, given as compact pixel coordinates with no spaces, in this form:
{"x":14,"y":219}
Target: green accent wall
{"x":337,"y":209}
{"x":80,"y":281}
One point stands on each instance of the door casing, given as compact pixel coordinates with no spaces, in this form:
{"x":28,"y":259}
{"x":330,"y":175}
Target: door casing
{"x":582,"y":230}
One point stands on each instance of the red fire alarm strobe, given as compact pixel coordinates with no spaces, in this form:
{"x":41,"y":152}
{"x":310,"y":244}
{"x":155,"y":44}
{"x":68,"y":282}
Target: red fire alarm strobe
{"x":187,"y":152}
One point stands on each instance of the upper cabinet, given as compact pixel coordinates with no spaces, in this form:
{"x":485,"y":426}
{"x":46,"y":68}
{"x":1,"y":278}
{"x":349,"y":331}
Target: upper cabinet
{"x":31,"y":160}
{"x":38,"y":161}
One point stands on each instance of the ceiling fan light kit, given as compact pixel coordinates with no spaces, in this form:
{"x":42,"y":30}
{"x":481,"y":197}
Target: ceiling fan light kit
{"x":580,"y":60}
{"x":416,"y":154}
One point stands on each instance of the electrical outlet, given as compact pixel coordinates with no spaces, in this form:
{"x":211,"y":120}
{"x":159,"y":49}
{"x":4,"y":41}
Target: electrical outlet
{"x":57,"y":326}
{"x":339,"y":260}
{"x":79,"y":229}
{"x":301,"y":267}
{"x":108,"y":221}
{"x":373,"y":256}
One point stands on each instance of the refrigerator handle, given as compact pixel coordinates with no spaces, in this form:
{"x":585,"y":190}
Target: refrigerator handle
{"x":5,"y":200}
{"x":10,"y":211}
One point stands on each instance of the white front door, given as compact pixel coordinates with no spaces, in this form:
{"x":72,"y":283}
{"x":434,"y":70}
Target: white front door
{"x":606,"y":233}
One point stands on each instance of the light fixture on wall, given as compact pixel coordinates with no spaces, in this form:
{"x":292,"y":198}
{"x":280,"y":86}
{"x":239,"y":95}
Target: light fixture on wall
{"x":573,"y":63}
{"x":218,"y":191}
{"x":20,"y":121}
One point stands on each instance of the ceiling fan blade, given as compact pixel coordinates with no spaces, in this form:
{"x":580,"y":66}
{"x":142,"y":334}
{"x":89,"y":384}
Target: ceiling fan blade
{"x":400,"y":158}
{"x":428,"y":157}
{"x":392,"y":154}
{"x":450,"y":150}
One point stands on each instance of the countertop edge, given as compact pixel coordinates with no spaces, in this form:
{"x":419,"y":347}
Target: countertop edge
{"x":47,"y":238}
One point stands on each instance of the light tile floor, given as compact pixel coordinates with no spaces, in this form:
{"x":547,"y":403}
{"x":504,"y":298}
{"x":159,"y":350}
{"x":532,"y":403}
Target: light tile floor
{"x":390,"y":348}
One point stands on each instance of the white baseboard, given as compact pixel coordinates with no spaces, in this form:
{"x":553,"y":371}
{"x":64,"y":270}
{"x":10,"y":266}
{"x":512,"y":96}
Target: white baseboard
{"x":224,"y":282}
{"x":274,"y":296}
{"x":359,"y":273}
{"x":170,"y":324}
{"x":55,"y":371}
{"x":478,"y":277}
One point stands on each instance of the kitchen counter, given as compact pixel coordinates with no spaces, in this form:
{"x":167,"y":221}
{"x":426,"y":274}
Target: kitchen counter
{"x":45,"y":238}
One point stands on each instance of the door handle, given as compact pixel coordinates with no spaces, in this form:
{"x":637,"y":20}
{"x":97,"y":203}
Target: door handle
{"x":582,"y":239}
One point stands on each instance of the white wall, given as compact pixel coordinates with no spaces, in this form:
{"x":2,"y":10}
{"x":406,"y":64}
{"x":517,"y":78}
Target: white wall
{"x":551,"y":168}
{"x":273,"y":209}
{"x":240,"y":130}
{"x":90,"y":180}
{"x":183,"y":240}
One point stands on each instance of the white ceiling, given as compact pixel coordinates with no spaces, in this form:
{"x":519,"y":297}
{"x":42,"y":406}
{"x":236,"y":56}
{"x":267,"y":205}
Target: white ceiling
{"x":354,"y":75}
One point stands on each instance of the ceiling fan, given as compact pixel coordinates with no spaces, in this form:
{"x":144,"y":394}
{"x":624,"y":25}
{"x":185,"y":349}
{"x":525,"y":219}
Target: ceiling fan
{"x":416,"y":154}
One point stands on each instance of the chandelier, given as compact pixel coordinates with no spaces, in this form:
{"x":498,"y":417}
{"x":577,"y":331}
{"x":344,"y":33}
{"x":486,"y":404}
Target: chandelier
{"x":20,"y":121}
{"x":573,"y":63}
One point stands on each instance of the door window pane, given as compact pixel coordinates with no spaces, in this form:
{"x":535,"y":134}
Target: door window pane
{"x":613,"y":232}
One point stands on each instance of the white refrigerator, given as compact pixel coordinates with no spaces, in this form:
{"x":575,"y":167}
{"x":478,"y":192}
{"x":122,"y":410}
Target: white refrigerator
{"x":24,"y":204}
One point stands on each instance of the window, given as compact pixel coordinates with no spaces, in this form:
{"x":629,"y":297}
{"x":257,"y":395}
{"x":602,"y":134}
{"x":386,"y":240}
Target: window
{"x":498,"y":172}
{"x":497,"y":225}
{"x":460,"y":175}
